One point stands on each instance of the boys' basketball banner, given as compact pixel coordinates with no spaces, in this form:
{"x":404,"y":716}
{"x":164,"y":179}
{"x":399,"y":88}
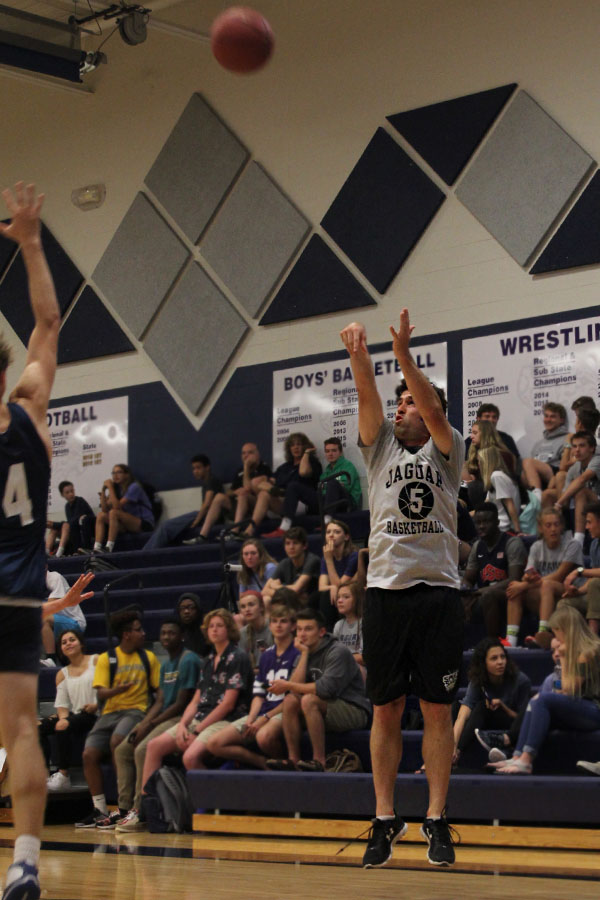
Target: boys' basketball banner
{"x":87,"y":441}
{"x":321,"y":400}
{"x":520,"y":371}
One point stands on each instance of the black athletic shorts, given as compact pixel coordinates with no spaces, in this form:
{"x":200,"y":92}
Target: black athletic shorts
{"x":20,"y":639}
{"x":413,"y":643}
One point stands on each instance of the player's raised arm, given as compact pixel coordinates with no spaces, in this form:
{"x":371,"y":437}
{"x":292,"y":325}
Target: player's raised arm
{"x":423,"y":393}
{"x":34,"y":386}
{"x":370,"y":407}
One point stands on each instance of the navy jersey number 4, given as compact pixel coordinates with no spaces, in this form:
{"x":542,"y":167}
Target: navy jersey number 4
{"x":24,"y":477}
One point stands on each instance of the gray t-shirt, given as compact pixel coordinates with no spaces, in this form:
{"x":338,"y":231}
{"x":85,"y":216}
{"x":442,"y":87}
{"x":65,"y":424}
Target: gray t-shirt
{"x":575,"y":471}
{"x":412,"y":500}
{"x":349,"y":635}
{"x":545,"y":561}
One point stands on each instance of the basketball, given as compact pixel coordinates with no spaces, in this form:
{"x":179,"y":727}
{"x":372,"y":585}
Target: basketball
{"x":241,"y":39}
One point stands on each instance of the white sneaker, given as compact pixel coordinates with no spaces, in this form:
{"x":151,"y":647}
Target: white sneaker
{"x":592,"y":767}
{"x":131,"y":822}
{"x":58,"y":782}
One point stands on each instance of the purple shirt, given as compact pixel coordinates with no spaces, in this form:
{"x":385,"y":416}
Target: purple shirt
{"x":271,"y":667}
{"x":137,"y":503}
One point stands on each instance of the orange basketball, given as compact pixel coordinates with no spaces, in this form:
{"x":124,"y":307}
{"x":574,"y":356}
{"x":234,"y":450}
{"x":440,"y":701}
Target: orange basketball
{"x":241,"y":39}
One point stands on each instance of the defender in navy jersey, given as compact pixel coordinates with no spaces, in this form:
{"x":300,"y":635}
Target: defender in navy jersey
{"x":413,"y":617}
{"x":25,"y":454}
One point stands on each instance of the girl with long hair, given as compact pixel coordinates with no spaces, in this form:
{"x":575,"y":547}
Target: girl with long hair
{"x":257,"y":566}
{"x":495,"y":702}
{"x":124,"y":506}
{"x":501,"y":488}
{"x":575,"y":706}
{"x":76,"y":705}
{"x":338,"y":566}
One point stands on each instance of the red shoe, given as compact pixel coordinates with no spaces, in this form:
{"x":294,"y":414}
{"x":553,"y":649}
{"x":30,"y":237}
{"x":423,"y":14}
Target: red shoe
{"x":505,"y":642}
{"x":278,"y":533}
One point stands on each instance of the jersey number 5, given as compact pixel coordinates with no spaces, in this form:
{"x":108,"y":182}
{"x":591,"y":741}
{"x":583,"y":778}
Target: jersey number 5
{"x":16,"y":500}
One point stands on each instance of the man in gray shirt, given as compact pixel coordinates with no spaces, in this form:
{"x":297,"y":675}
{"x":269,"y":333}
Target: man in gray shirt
{"x":413,"y":619}
{"x":582,"y":484}
{"x":326,"y":688}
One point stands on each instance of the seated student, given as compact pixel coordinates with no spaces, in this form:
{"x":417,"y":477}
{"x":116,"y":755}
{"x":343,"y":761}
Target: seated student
{"x":326,"y":692}
{"x":550,"y":559}
{"x":178,"y":678}
{"x":189,"y":614}
{"x":78,"y":530}
{"x":586,"y":419}
{"x":483,"y":437}
{"x":301,"y":465}
{"x":298,"y":571}
{"x":489,"y":412}
{"x":580,"y":588}
{"x":338,"y":567}
{"x":76,"y":706}
{"x":582,"y":484}
{"x":124,"y":506}
{"x":495,"y":560}
{"x":253,"y":738}
{"x":497,"y":696}
{"x":575,"y":707}
{"x":222,"y":696}
{"x":541,"y":465}
{"x":69,"y":616}
{"x":257,"y":566}
{"x":348,"y":628}
{"x":171,"y":529}
{"x":338,"y":489}
{"x":501,"y":487}
{"x":255,"y":634}
{"x":241,"y":495}
{"x":126,"y":697}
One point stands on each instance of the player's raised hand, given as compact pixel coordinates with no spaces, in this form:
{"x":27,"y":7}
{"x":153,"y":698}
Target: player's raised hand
{"x":354,"y":337}
{"x":24,"y":208}
{"x":401,"y":338}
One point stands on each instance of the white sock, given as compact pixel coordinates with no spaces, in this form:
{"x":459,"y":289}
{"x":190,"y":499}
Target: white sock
{"x":385,"y":818}
{"x":327,"y":519}
{"x":60,"y":552}
{"x":27,"y":849}
{"x":543,"y":626}
{"x":110,"y":546}
{"x":285,"y":524}
{"x":99,"y":801}
{"x":512,"y":634}
{"x":579,"y":536}
{"x":97,"y":545}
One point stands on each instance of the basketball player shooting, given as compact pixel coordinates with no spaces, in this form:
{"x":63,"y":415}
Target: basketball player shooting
{"x":413,"y":618}
{"x":25,"y":454}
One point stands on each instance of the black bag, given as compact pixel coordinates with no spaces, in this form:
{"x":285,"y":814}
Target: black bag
{"x":167,"y":805}
{"x":98,"y":564}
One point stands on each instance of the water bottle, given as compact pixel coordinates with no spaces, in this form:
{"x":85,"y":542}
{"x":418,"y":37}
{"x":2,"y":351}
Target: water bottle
{"x":557,"y":680}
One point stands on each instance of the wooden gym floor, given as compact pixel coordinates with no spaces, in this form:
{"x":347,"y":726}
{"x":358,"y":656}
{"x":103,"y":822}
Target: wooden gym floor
{"x":276,"y":859}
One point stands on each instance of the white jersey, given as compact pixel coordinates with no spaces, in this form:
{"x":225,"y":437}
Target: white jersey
{"x":412,"y":500}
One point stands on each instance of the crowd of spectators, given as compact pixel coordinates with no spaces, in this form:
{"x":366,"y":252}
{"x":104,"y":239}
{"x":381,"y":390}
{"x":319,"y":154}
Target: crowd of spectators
{"x":243,"y":686}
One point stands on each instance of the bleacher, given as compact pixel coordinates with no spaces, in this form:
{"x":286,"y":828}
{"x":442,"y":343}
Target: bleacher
{"x":555,"y":793}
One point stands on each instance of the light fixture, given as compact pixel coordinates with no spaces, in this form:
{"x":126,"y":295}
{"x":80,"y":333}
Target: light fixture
{"x":89,"y":197}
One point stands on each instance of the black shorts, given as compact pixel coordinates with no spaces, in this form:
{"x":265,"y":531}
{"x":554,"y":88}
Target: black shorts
{"x":20,"y":639}
{"x":413,"y":643}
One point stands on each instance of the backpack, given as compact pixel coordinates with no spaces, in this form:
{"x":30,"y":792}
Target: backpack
{"x":343,"y":761}
{"x":98,"y":564}
{"x":167,"y":805}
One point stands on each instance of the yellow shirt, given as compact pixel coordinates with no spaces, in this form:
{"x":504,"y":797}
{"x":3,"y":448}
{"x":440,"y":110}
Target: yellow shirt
{"x":130,"y":668}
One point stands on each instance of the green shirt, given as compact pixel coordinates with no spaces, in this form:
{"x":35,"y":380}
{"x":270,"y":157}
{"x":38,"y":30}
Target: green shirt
{"x":349,"y":478}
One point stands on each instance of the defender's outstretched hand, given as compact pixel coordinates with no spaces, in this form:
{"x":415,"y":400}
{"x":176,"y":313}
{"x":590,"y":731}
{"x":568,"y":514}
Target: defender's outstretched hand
{"x":73,"y":596}
{"x":354,"y":337}
{"x":24,"y":208}
{"x":402,"y":336}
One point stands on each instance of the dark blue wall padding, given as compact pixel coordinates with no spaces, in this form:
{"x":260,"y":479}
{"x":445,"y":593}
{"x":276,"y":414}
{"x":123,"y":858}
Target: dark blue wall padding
{"x":318,"y":283}
{"x":382,"y":210}
{"x":7,"y":251}
{"x":576,"y":241}
{"x":14,"y":294}
{"x":90,"y":331}
{"x":446,"y":134}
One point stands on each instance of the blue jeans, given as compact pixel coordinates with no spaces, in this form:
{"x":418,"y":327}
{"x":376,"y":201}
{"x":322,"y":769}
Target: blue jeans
{"x":558,"y":711}
{"x":168,"y":531}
